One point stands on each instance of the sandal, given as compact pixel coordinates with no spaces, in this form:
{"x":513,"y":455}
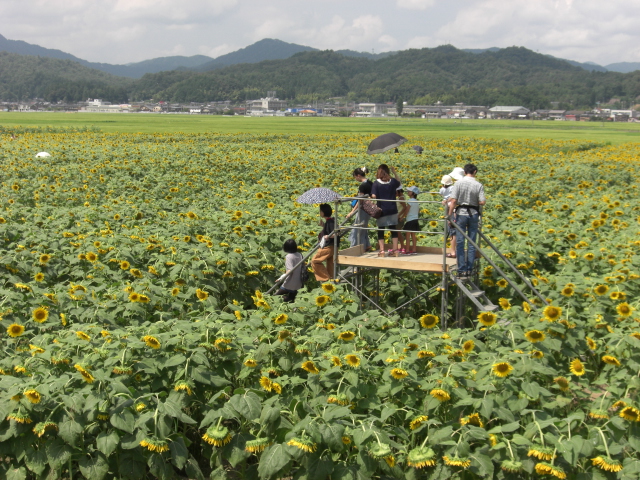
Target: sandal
{"x":394,"y":253}
{"x":381,"y":253}
{"x":451,"y":255}
{"x":403,"y":251}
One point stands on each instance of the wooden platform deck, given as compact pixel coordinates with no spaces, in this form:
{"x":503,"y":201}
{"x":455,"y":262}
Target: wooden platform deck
{"x":428,"y":259}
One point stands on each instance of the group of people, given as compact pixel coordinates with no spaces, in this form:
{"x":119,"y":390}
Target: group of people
{"x":463,"y":198}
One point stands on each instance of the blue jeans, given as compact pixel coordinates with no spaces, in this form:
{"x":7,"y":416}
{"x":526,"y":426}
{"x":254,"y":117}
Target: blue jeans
{"x":469,"y":225}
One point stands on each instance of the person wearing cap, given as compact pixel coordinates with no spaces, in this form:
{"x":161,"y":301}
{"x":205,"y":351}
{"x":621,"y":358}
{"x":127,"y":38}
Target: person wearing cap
{"x":403,"y":209}
{"x":466,"y":199}
{"x":457,"y":174}
{"x":412,"y":226}
{"x":445,"y":191}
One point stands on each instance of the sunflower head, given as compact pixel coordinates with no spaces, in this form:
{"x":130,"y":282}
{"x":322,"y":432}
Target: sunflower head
{"x":429,"y":320}
{"x":40,"y":314}
{"x":487,"y":318}
{"x":576,"y":367}
{"x":347,"y":336}
{"x":329,"y":287}
{"x":322,"y":300}
{"x":217,"y":435}
{"x":535,"y":336}
{"x":15,"y":330}
{"x":421,"y":457}
{"x":352,"y":360}
{"x":399,"y":373}
{"x":502,"y":369}
{"x":552,"y":313}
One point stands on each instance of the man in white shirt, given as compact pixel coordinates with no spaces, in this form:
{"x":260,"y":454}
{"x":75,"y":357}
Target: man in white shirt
{"x":467,"y":196}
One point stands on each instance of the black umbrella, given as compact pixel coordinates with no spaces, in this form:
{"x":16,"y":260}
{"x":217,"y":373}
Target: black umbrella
{"x":317,"y":195}
{"x":385,"y":142}
{"x":418,"y":149}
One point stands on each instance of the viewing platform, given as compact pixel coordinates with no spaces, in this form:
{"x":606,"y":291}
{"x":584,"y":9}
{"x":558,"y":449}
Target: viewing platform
{"x":427,"y":259}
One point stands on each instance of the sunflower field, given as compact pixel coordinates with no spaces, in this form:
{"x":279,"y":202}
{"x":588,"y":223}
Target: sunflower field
{"x":137,"y":340}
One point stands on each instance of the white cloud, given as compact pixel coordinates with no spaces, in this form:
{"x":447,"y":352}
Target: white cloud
{"x":415,"y":4}
{"x":123,"y":31}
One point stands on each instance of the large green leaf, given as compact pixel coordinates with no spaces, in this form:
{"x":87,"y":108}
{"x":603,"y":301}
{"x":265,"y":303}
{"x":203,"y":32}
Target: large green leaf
{"x":123,"y":420}
{"x":58,"y":453}
{"x":19,"y":473}
{"x":332,"y":435}
{"x":247,"y":405}
{"x":192,"y":469}
{"x":107,"y":442}
{"x":273,"y":461}
{"x":179,"y":453}
{"x":36,"y":460}
{"x":318,"y":468}
{"x":132,"y":466}
{"x":159,"y":468}
{"x":94,"y":467}
{"x":69,"y":431}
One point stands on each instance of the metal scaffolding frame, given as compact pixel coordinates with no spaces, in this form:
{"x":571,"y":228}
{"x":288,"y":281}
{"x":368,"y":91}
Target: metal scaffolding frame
{"x":468,"y":292}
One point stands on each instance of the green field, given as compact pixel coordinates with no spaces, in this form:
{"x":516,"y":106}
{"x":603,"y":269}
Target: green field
{"x":614,"y":133}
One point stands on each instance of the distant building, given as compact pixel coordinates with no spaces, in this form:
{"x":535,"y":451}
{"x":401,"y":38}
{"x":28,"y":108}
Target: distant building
{"x":266,"y":105}
{"x":98,"y":106}
{"x":371,"y":109}
{"x":509,"y":112}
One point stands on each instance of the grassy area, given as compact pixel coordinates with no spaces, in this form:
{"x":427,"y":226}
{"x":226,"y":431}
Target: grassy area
{"x":502,"y":129}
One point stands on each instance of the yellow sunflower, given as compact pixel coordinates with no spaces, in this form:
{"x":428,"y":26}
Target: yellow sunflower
{"x":440,"y":395}
{"x":611,"y":360}
{"x":40,"y":314}
{"x":152,"y":342}
{"x":552,"y":313}
{"x":322,"y":300}
{"x":399,"y":373}
{"x":535,"y":336}
{"x":624,"y":310}
{"x":429,"y":320}
{"x":15,"y":330}
{"x":352,"y":360}
{"x":329,"y":287}
{"x":468,"y":346}
{"x":310,"y":367}
{"x":504,"y":303}
{"x":502,"y":369}
{"x":202,"y":295}
{"x":487,"y":318}
{"x":576,"y":367}
{"x":347,"y":336}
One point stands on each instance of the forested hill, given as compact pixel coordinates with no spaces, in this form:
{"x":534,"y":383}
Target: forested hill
{"x":510,"y":76}
{"x":514,"y":76}
{"x":25,"y":76}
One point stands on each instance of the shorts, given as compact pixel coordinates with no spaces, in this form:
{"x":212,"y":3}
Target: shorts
{"x":412,"y":226}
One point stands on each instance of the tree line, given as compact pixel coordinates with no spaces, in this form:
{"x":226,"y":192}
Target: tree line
{"x":511,"y":76}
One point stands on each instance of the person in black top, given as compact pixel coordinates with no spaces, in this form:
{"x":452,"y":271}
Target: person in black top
{"x":325,"y":253}
{"x":384,"y":188}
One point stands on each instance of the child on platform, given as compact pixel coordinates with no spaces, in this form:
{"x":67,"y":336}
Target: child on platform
{"x":411,"y":226}
{"x":445,"y":191}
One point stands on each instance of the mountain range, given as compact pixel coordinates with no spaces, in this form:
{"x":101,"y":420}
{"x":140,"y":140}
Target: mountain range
{"x":266,"y":49}
{"x":494,"y":76}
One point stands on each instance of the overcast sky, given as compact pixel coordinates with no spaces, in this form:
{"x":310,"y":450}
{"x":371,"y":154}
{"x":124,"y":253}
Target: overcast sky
{"x":124,"y":31}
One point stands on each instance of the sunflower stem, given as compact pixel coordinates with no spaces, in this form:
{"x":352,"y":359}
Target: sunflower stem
{"x":602,"y":400}
{"x":510,"y":450}
{"x":539,"y":428}
{"x":604,"y":441}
